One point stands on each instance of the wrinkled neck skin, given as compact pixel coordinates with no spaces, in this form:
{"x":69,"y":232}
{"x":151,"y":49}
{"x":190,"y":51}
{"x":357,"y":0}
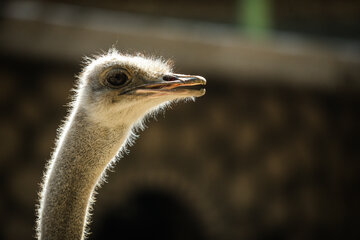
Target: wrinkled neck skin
{"x":83,"y":152}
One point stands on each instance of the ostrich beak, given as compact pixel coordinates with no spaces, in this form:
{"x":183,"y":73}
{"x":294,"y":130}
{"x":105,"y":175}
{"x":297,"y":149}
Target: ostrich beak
{"x":176,"y":84}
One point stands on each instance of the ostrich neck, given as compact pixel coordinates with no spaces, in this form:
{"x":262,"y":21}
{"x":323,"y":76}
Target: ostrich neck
{"x":82,"y":155}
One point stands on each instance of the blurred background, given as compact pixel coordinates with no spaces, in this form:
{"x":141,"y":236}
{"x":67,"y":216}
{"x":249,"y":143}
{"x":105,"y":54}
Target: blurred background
{"x":269,"y":152}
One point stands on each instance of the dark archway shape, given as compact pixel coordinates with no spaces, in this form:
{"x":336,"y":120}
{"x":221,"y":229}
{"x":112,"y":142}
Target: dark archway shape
{"x":150,"y":214}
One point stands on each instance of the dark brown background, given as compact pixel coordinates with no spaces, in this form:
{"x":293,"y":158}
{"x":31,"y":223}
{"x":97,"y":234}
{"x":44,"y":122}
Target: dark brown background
{"x":258,"y":157}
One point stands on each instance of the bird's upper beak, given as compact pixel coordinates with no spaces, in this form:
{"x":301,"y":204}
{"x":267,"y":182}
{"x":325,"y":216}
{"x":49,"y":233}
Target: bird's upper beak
{"x":175,"y":84}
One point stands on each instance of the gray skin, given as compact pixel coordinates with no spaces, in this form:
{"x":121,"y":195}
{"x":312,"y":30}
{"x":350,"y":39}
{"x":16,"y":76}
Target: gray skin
{"x":99,"y":127}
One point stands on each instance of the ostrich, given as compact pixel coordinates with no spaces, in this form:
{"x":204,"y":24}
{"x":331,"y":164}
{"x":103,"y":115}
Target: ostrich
{"x":115,"y":92}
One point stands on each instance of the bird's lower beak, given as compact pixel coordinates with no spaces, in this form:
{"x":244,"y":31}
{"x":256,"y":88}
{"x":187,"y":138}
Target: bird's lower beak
{"x":177,"y":84}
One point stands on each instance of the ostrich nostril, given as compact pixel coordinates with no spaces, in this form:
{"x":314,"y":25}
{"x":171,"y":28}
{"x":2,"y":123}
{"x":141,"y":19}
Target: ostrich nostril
{"x":169,"y":78}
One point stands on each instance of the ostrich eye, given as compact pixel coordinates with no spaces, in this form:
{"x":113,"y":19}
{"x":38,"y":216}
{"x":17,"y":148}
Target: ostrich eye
{"x":116,"y":78}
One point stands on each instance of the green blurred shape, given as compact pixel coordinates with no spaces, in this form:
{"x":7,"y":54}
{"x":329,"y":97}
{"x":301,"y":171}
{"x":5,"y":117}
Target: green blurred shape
{"x":254,"y":17}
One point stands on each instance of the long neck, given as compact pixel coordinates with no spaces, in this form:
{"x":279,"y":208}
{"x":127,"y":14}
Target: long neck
{"x":82,"y":155}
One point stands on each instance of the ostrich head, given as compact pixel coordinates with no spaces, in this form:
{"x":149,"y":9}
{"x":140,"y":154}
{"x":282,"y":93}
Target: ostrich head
{"x":114,"y":93}
{"x":115,"y":85}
